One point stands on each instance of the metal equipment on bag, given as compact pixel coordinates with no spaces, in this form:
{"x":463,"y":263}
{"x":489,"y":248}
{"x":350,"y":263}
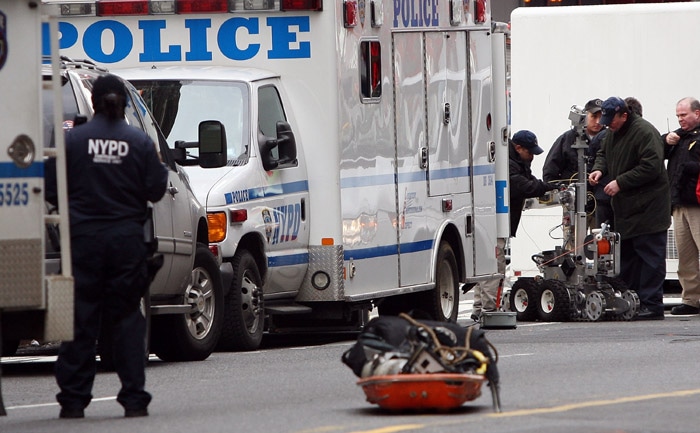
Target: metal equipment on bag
{"x":407,"y":364}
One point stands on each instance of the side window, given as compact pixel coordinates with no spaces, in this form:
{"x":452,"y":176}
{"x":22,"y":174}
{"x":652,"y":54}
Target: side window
{"x":148,"y":123}
{"x":370,"y":71}
{"x":270,"y":110}
{"x":131,"y":113}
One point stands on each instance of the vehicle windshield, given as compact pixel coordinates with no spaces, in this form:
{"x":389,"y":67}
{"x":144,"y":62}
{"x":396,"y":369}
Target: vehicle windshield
{"x":179,"y":106}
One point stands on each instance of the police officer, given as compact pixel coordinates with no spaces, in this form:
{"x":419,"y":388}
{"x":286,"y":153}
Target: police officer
{"x":113,"y":170}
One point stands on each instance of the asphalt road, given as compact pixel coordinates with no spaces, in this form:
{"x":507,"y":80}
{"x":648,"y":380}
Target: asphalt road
{"x":610,"y":377}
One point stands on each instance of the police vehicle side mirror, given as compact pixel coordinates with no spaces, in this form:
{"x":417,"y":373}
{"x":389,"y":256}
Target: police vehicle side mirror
{"x":286,"y":146}
{"x":212,"y":144}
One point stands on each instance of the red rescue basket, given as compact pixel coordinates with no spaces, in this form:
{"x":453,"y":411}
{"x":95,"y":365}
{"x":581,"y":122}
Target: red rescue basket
{"x":437,"y":391}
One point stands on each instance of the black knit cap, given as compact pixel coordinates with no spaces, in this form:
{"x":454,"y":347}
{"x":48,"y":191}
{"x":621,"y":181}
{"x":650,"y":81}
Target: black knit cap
{"x":106,"y":85}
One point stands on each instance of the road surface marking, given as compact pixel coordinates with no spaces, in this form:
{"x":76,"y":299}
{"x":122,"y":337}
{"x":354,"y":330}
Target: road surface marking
{"x":34,"y":406}
{"x":393,"y":428}
{"x":594,"y":403}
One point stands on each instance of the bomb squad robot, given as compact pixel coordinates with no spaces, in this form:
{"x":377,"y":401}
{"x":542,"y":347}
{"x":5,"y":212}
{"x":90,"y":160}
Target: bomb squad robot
{"x":579,"y":279}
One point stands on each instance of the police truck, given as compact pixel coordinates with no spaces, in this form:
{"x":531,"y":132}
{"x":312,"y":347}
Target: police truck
{"x":355,"y":151}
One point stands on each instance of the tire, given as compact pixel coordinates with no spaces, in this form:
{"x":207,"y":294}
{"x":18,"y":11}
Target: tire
{"x":442,"y":303}
{"x":194,"y":336}
{"x":105,"y":342}
{"x":554,"y":302}
{"x":523,"y":299}
{"x":244,"y":317}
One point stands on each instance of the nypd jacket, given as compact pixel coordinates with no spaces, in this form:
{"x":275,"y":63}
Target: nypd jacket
{"x":522,"y":185}
{"x":634,"y":157}
{"x":683,"y":167}
{"x":113,"y":170}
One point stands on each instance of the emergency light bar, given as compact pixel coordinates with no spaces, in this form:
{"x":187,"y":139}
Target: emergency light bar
{"x":160,"y":7}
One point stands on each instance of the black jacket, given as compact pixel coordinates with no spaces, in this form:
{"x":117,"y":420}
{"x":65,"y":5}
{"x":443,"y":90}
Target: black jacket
{"x":522,"y":185}
{"x":634,"y":157}
{"x":683,"y":167}
{"x":113,"y":170}
{"x":561,"y":164}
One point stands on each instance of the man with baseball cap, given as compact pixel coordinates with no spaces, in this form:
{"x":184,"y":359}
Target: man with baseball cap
{"x":522,"y":184}
{"x":632,"y":155}
{"x":561,"y":164}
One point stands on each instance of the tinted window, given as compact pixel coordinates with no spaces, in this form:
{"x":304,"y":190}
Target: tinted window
{"x":70,"y":109}
{"x":270,"y":110}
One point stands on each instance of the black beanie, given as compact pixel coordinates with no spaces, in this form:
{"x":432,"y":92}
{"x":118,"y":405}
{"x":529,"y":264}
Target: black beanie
{"x":105,"y":85}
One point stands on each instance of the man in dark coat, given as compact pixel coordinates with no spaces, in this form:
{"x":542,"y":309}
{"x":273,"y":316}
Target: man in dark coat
{"x":522,"y":183}
{"x":561,"y":164}
{"x":632,"y":154}
{"x":683,"y":153}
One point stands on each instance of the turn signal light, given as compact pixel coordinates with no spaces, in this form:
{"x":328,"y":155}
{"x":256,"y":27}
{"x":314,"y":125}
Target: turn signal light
{"x":217,"y":226}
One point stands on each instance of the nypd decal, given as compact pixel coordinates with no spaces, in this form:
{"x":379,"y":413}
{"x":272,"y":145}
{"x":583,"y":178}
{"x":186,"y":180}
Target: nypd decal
{"x":286,"y":221}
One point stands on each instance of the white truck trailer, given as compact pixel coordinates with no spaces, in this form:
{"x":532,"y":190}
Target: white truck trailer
{"x":565,"y":56}
{"x":32,"y":304}
{"x":363,"y":138}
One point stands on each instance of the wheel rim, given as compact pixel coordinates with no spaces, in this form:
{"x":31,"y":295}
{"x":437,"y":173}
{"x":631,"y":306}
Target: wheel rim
{"x":547,"y":301}
{"x":520,"y":300}
{"x":633,"y":299}
{"x":200,"y":296}
{"x":249,"y":302}
{"x":595,"y":306}
{"x":447,"y":292}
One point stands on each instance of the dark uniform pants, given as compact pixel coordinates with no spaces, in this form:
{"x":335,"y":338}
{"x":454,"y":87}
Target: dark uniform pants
{"x":110,"y":277}
{"x":643,"y":268}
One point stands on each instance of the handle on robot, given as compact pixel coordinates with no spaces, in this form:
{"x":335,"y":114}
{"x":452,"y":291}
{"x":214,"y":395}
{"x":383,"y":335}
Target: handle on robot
{"x":603,"y":230}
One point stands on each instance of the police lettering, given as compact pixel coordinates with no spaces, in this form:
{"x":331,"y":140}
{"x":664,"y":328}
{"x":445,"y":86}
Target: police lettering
{"x":239,"y":196}
{"x":107,"y":151}
{"x":111,"y":41}
{"x":416,"y":13}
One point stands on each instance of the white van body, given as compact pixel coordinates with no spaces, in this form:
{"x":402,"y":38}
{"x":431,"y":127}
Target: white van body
{"x":565,"y":56}
{"x":33,"y":304}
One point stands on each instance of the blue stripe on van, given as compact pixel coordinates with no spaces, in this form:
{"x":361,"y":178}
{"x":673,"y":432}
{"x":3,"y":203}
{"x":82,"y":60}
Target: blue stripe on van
{"x":9,"y":170}
{"x":356,"y":254}
{"x":416,"y":176}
